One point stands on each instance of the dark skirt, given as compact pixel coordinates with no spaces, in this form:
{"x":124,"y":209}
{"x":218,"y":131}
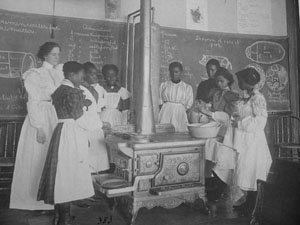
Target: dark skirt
{"x":47,"y":182}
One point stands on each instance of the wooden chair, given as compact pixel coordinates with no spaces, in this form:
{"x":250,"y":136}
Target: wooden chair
{"x":286,"y":130}
{"x":9,"y":137}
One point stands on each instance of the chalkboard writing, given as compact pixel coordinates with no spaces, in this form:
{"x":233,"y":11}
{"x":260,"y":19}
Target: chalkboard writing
{"x":82,"y":40}
{"x":269,"y":55}
{"x":103,"y":42}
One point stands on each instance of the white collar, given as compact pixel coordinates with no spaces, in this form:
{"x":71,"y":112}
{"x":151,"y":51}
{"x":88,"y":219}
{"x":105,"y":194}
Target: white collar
{"x":83,"y":88}
{"x":256,"y":90}
{"x":67,"y":83}
{"x":175,"y":83}
{"x":47,"y":65}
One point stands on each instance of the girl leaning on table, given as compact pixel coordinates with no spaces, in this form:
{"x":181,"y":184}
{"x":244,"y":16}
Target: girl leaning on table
{"x":215,"y":102}
{"x":224,"y":100}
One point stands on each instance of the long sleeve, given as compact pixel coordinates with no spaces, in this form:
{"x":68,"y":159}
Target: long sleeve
{"x":58,"y":75}
{"x":89,"y":121}
{"x":259,"y":119}
{"x":220,"y":116}
{"x":161,"y":101}
{"x":101,"y":97}
{"x":32,"y":85}
{"x":124,"y":93}
{"x":189,"y":97}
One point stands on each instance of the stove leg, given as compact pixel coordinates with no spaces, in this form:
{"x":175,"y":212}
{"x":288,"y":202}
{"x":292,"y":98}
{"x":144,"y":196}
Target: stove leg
{"x":112,"y":204}
{"x":206,"y":209}
{"x":133,"y":210}
{"x":132,"y":218}
{"x":128,"y":209}
{"x":209,"y":208}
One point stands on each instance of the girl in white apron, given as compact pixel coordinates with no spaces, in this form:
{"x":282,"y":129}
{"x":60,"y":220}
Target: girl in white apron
{"x":176,"y":97}
{"x":115,"y":97}
{"x":98,"y":157}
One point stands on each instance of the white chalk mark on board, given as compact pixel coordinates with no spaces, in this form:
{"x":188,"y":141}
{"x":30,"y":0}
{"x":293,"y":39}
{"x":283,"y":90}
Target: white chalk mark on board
{"x":265,"y":52}
{"x":169,"y":51}
{"x":277,"y":97}
{"x":14,"y":64}
{"x":276,"y":77}
{"x":91,"y":28}
{"x":224,"y":62}
{"x":100,"y":40}
{"x":187,"y":72}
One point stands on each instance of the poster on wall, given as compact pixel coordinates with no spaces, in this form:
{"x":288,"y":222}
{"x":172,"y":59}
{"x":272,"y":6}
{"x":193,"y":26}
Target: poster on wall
{"x":112,"y":9}
{"x":254,"y":17}
{"x":196,"y":15}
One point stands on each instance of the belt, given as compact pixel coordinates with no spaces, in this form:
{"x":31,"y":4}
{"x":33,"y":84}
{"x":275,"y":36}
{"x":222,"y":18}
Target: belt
{"x":65,"y":120}
{"x":176,"y":103}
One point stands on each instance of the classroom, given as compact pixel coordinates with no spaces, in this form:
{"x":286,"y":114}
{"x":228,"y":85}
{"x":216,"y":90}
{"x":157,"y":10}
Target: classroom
{"x":149,"y":112}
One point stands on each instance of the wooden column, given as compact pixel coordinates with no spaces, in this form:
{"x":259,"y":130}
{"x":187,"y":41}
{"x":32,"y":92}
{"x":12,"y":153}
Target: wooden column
{"x":292,"y":13}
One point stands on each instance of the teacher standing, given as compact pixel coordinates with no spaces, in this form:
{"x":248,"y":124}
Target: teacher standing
{"x":37,"y":130}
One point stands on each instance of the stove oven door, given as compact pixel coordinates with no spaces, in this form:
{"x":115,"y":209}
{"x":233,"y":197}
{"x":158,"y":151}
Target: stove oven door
{"x":118,"y":183}
{"x":179,"y":170}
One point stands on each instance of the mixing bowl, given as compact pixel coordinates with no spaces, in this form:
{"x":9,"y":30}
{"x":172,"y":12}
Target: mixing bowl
{"x":204,"y":130}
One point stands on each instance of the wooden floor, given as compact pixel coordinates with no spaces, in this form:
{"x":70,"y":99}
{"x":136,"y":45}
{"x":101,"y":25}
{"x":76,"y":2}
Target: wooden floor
{"x":187,"y":214}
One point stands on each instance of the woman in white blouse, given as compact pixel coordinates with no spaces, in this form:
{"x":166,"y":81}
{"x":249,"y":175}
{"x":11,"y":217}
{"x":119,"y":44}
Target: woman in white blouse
{"x":176,"y":98}
{"x":254,"y":159}
{"x":37,"y":129}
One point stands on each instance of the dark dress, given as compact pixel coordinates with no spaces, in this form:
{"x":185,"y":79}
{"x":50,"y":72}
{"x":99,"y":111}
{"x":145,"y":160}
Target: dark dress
{"x":66,"y":161}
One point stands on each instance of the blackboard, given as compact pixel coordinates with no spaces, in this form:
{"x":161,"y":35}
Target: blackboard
{"x":82,"y":40}
{"x":268,"y":54}
{"x":104,"y":42}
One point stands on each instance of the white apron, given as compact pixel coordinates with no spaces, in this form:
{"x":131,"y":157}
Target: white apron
{"x":111,"y":113}
{"x":176,"y":99}
{"x":73,"y":164}
{"x":98,"y":157}
{"x":254,"y":159}
{"x":175,"y":114}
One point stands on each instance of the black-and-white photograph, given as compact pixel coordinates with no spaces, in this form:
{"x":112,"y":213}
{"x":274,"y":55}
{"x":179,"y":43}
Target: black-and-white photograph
{"x":149,"y":112}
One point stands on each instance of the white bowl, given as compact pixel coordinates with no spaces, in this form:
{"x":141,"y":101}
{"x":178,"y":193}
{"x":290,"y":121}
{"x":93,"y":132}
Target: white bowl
{"x":204,"y":130}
